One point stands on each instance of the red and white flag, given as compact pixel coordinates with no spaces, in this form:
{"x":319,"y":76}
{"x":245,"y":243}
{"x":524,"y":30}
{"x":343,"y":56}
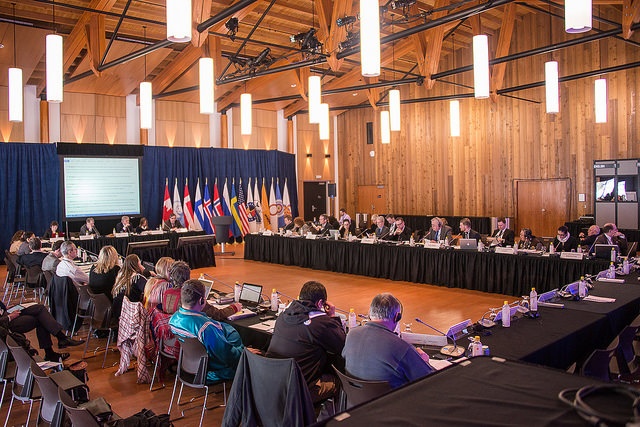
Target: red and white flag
{"x":187,"y":209}
{"x":166,"y":205}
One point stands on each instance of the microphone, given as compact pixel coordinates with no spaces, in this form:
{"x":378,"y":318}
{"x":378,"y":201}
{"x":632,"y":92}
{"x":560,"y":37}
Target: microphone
{"x":363,"y":231}
{"x":449,"y":350}
{"x":592,"y":245}
{"x":384,"y":235}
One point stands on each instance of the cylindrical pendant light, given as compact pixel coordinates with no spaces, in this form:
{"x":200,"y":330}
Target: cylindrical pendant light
{"x":577,"y":16}
{"x":206,"y":85}
{"x":54,"y":68}
{"x":551,"y":86}
{"x":15,"y":95}
{"x":315,"y":98}
{"x":481,"y":66}
{"x":245,"y":114}
{"x":324,"y":122}
{"x":454,"y":117}
{"x":385,"y":131}
{"x":370,"y":38}
{"x":179,"y":21}
{"x":146,"y":105}
{"x":394,"y":109}
{"x":601,"y":100}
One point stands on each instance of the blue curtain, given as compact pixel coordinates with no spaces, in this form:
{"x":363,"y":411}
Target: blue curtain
{"x":160,"y":163}
{"x":29,"y":179}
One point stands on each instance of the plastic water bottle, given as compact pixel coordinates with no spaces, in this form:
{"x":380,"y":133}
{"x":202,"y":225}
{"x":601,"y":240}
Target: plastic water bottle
{"x":626,"y":268}
{"x":612,"y":271}
{"x":613,"y":255}
{"x":582,"y":288}
{"x":412,"y":241}
{"x":533,"y":301}
{"x":476,"y":347}
{"x":506,"y":315}
{"x":515,"y":249}
{"x":237,"y":290}
{"x":274,"y":300}
{"x":552,"y":249}
{"x":352,"y":323}
{"x":579,"y":249}
{"x":480,"y":246}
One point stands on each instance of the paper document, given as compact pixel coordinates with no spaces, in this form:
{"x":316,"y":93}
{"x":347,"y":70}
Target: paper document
{"x":266,"y":326}
{"x":594,"y":298}
{"x":439,"y":363}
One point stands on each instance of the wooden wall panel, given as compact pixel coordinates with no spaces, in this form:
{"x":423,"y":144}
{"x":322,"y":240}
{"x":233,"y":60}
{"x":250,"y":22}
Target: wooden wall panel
{"x":93,"y":118}
{"x":180,"y":124}
{"x":427,"y":171}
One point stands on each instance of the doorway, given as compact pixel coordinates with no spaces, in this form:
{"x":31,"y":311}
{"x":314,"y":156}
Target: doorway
{"x":315,"y":199}
{"x":542,"y":205}
{"x":372,"y":199}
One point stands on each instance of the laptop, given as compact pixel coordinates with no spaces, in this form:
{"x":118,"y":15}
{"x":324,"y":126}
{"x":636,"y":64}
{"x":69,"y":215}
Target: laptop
{"x":251,"y":294}
{"x":604,"y":251}
{"x":334,"y":234}
{"x":208,"y":284}
{"x":469,"y":244}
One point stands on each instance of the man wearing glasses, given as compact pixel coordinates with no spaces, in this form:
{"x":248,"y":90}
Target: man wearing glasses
{"x":565,"y":242}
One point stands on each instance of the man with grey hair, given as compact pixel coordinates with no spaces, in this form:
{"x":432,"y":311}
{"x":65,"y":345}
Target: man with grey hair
{"x":89,"y":227}
{"x":439,"y":231}
{"x":222,"y":342}
{"x":124,"y":225}
{"x":374,"y":352}
{"x":68,"y":268}
{"x":50,"y":263}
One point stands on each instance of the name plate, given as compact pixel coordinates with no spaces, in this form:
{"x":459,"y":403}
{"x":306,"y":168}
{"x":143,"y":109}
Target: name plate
{"x":154,"y":232}
{"x":121,"y":234}
{"x":267,"y":233}
{"x":55,"y":239}
{"x":86,"y":237}
{"x":501,"y":250}
{"x":432,"y":245}
{"x":311,"y":236}
{"x":182,"y":230}
{"x":368,"y":240}
{"x":572,"y":255}
{"x":424,"y":339}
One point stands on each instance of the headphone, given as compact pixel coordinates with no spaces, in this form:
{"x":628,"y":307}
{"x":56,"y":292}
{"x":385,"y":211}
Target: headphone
{"x":398,"y":316}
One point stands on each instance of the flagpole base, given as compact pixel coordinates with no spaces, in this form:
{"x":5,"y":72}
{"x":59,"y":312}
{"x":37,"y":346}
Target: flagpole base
{"x":223,"y":252}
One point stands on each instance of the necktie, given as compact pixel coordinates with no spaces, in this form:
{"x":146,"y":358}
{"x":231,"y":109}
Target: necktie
{"x":438,"y":235}
{"x":466,"y":234}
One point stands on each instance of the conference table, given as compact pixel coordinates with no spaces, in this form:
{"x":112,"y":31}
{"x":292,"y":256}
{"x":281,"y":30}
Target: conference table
{"x":483,"y":271}
{"x":197,"y":255}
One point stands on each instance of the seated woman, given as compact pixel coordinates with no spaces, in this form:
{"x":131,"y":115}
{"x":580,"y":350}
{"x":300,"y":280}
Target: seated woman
{"x":298,"y":223}
{"x":52,"y":232}
{"x":16,"y":241}
{"x":130,"y":283}
{"x":143,"y":226}
{"x":155,"y":287}
{"x":24,"y":248}
{"x":345,"y":229}
{"x":103,"y":274}
{"x":529,"y":241}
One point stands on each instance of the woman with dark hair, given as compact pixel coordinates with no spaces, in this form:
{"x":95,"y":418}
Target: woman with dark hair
{"x":103,"y":273}
{"x":24,"y":248}
{"x":130,"y":283}
{"x":52,"y":232}
{"x":16,"y":241}
{"x":345,"y":229}
{"x":529,"y":241}
{"x":143,"y":226}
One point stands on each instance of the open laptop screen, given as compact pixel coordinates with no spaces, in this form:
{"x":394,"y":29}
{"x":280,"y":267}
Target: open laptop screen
{"x":250,"y":294}
{"x":208,"y":284}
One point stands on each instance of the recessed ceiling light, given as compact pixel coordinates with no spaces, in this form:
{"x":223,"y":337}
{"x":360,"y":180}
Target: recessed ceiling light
{"x":293,"y":85}
{"x":354,"y":94}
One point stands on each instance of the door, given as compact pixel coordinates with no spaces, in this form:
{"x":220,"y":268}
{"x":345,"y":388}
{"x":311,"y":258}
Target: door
{"x":372,"y":199}
{"x":315,"y":199}
{"x":542,"y":205}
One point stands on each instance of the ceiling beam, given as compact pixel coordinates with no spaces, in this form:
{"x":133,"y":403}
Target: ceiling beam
{"x":201,"y":12}
{"x":434,"y":38}
{"x":176,"y":68}
{"x":504,"y":42}
{"x":228,"y":12}
{"x":630,"y":15}
{"x":373,"y":93}
{"x":96,"y":41}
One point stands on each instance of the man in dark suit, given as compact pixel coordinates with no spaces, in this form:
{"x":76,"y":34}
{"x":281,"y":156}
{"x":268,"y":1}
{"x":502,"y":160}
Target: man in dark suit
{"x":325,"y":225}
{"x":172,"y":224}
{"x":564,"y":241}
{"x":35,"y":257}
{"x":503,"y":236}
{"x":382,"y":231}
{"x":288,"y":223}
{"x":402,"y":232}
{"x":611,"y":236}
{"x":124,"y":226}
{"x":466,"y":232}
{"x":89,"y":227}
{"x":592,"y":234}
{"x":438,"y":231}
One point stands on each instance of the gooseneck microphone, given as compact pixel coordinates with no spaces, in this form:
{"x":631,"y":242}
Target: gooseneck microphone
{"x":449,"y":350}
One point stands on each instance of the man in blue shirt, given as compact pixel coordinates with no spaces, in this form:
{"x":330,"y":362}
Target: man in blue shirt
{"x":222,"y":342}
{"x":373,"y":352}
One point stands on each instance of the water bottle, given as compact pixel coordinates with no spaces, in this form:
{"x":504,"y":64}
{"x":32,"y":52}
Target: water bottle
{"x":352,"y":323}
{"x":412,"y":241}
{"x":480,"y":246}
{"x":552,"y":249}
{"x":626,"y":268}
{"x":613,"y":255}
{"x":579,"y":249}
{"x":237,"y":290}
{"x":612,"y":271}
{"x":476,"y":347}
{"x":274,"y":300}
{"x":506,"y":315}
{"x":582,"y":288}
{"x":533,"y":301}
{"x":515,"y":249}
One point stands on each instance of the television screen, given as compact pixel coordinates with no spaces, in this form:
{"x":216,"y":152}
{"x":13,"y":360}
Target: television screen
{"x":604,"y":189}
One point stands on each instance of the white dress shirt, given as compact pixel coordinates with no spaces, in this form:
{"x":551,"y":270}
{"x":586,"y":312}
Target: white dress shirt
{"x":68,"y":268}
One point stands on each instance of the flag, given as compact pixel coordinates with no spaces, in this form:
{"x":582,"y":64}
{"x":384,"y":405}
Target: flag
{"x":206,"y":205}
{"x":279,"y":206}
{"x":166,"y":205}
{"x":187,"y":210}
{"x":226,"y":203}
{"x":264,"y":207}
{"x":234,"y":208}
{"x":242,"y":209}
{"x":286,"y":202}
{"x":177,"y":205}
{"x":273,"y":209}
{"x":251,"y":209}
{"x":217,"y":205}
{"x":199,"y":217}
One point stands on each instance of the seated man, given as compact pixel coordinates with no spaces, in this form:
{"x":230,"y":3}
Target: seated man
{"x":172,"y":224}
{"x":35,"y":257}
{"x":89,"y":227}
{"x":288,"y":223}
{"x":381,"y":230}
{"x":466,"y":232}
{"x":611,"y":236}
{"x":373,"y":352}
{"x":503,"y":236}
{"x":564,"y":241}
{"x":589,"y":241}
{"x":402,"y":232}
{"x":124,"y":226}
{"x":51,"y":261}
{"x":36,"y":317}
{"x":222,"y":342}
{"x":439,"y":231}
{"x":309,"y":332}
{"x":324,"y":225}
{"x":67,"y":267}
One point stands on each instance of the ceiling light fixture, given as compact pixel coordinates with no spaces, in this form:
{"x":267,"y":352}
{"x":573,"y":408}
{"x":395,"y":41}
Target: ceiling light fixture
{"x":15,"y":80}
{"x":385,"y":130}
{"x":245,"y":113}
{"x":577,"y":16}
{"x":601,"y":100}
{"x":370,"y":38}
{"x":315,"y":98}
{"x":179,"y":21}
{"x":54,"y":70}
{"x":146,"y":96}
{"x":324,"y":122}
{"x":481,"y":66}
{"x":454,"y":104}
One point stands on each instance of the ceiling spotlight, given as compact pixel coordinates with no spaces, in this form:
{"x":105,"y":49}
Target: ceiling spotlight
{"x":308,"y":41}
{"x":341,"y":22}
{"x":232,"y":26}
{"x":353,"y":38}
{"x":263,"y":58}
{"x":401,"y":4}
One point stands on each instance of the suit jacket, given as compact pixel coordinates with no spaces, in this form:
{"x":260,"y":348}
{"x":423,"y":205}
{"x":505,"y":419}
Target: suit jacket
{"x":472,"y":235}
{"x":404,"y":234}
{"x":120,"y":228}
{"x":289,"y":226}
{"x":324,"y":229}
{"x":568,"y":246}
{"x":166,"y":226}
{"x":615,"y":240}
{"x":508,"y":235}
{"x":445,"y":234}
{"x":382,"y":232}
{"x":84,"y":230}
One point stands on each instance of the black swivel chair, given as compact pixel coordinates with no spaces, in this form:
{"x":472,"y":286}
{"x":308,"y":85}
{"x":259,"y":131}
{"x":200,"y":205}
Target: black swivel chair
{"x":360,"y":391}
